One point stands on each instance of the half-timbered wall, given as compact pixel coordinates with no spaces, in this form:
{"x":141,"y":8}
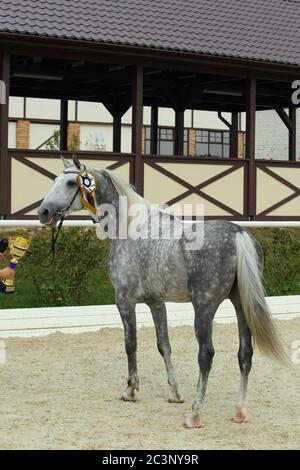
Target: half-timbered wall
{"x":33,"y":173}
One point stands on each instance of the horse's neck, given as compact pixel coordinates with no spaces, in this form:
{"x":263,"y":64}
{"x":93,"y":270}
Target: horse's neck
{"x":121,"y":199}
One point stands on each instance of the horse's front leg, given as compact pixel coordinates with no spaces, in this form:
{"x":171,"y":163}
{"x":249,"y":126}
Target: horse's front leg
{"x":127,"y":312}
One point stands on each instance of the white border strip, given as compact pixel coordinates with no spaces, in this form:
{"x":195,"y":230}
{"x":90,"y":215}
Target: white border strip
{"x":89,"y":223}
{"x":37,"y":224}
{"x":80,"y":319}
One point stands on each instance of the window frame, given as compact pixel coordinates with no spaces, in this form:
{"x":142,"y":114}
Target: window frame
{"x":211,"y":138}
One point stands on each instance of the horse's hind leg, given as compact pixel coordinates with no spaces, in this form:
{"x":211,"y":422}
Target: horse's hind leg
{"x":159,"y":315}
{"x":204,"y":315}
{"x":244,"y":355}
{"x":127,"y":312}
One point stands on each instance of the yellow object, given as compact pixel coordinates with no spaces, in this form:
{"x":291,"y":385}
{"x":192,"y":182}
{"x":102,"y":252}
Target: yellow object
{"x":17,"y":247}
{"x":87,"y":186}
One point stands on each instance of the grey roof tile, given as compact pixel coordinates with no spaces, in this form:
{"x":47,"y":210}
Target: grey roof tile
{"x":265,"y":30}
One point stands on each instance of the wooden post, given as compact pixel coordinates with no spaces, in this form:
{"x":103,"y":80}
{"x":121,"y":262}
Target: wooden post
{"x":250,"y":144}
{"x":179,"y":132}
{"x":64,"y":124}
{"x":154,"y":130}
{"x":117,"y":107}
{"x":5,"y":162}
{"x":290,"y":122}
{"x":117,"y":126}
{"x":234,"y":132}
{"x":137,"y":125}
{"x":234,"y":135}
{"x":292,"y":134}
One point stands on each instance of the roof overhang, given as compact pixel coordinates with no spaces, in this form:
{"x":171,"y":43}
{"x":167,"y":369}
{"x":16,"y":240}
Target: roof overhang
{"x":25,"y":44}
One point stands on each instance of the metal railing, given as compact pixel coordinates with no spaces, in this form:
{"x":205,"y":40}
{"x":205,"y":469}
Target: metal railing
{"x":88,"y":223}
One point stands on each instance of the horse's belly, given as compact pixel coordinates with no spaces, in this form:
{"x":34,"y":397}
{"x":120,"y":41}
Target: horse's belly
{"x":179,"y":294}
{"x":168,"y":288}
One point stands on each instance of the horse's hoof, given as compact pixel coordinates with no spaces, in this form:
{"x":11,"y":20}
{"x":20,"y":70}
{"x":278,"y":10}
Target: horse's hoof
{"x":128,"y":395}
{"x":240,"y":416}
{"x":176,"y":398}
{"x":192,"y":422}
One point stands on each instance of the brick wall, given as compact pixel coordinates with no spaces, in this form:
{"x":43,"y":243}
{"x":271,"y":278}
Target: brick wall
{"x":73,"y":136}
{"x":241,"y":145}
{"x":272,"y":136}
{"x":22,"y":134}
{"x":192,"y":142}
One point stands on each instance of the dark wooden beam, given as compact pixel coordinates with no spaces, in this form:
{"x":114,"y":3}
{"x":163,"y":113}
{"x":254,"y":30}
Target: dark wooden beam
{"x":192,"y":93}
{"x":154,"y":130}
{"x":290,"y":122}
{"x":117,"y":105}
{"x":137,"y":126}
{"x":266,"y":89}
{"x":284,"y":117}
{"x":250,"y":144}
{"x":234,"y":128}
{"x":64,"y":125}
{"x":128,"y":55}
{"x":164,"y":83}
{"x":179,"y":132}
{"x":88,"y":72}
{"x":204,"y":106}
{"x":117,"y":128}
{"x":5,"y":161}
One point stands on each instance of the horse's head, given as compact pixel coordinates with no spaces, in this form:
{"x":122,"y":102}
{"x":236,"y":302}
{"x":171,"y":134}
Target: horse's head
{"x":63,"y":198}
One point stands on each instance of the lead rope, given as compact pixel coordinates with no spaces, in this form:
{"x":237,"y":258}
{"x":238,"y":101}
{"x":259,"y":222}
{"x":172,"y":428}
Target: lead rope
{"x":51,"y":251}
{"x":54,"y":236}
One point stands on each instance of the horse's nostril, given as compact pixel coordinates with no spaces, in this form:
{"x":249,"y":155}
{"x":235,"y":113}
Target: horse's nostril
{"x":43,"y":214}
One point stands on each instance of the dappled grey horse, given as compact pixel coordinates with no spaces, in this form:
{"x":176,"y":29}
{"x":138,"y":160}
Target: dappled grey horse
{"x":154,"y":271}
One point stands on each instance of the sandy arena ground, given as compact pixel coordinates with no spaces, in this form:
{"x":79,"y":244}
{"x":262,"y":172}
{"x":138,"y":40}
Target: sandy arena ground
{"x":62,"y":391}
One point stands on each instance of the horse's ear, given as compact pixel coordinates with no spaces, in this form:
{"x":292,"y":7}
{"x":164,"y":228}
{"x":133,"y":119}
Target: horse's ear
{"x":66,"y":162}
{"x":76,"y":161}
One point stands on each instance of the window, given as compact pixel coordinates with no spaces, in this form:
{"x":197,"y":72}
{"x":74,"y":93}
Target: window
{"x":147,"y":140}
{"x":165,"y":141}
{"x":185,"y":142}
{"x":209,"y":143}
{"x":212,"y":143}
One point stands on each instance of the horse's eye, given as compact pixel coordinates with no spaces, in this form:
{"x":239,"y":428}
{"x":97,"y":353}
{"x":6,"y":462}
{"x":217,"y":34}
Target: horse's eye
{"x":71,"y":183}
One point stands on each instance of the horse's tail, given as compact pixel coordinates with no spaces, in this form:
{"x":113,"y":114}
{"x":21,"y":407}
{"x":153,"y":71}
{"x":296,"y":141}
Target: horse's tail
{"x":255,"y":307}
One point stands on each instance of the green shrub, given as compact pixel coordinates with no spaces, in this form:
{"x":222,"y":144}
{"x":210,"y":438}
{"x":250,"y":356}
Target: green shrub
{"x":281,"y":249}
{"x":79,"y":274}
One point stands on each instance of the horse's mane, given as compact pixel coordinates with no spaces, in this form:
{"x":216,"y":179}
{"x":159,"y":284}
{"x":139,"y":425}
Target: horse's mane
{"x":125,"y":189}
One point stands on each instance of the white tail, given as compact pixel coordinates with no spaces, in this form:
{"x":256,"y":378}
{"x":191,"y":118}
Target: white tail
{"x":255,"y":307}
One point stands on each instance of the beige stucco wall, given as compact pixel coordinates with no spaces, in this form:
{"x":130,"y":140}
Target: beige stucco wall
{"x":160,"y":188}
{"x":269,"y":191}
{"x":38,"y":185}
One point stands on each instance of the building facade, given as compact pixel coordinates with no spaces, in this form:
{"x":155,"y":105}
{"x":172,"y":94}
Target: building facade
{"x":179,"y":110}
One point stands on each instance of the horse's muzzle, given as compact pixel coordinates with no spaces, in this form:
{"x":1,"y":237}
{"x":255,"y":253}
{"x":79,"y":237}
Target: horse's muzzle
{"x":47,"y":216}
